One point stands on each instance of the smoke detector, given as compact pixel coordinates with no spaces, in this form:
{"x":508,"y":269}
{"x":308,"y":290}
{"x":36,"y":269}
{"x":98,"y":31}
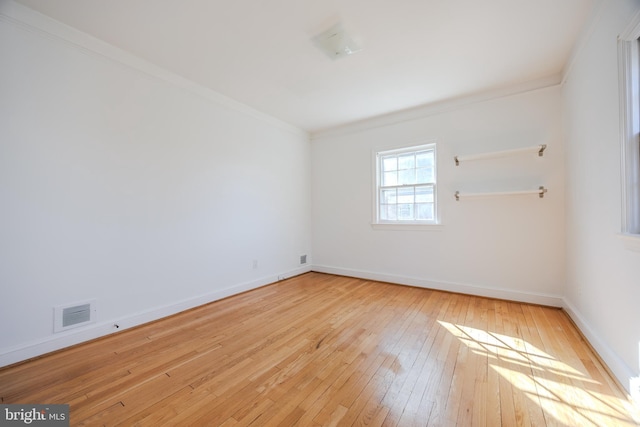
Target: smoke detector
{"x":336,"y":43}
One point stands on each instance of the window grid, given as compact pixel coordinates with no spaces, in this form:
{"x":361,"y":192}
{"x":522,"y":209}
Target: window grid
{"x":629,"y":63}
{"x":406,"y":185}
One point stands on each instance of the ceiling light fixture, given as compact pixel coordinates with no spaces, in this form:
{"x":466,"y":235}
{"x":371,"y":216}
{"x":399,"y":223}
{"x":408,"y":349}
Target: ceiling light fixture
{"x":336,"y":43}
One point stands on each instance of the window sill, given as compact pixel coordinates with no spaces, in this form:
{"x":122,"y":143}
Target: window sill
{"x":631,"y":241}
{"x":407,"y":226}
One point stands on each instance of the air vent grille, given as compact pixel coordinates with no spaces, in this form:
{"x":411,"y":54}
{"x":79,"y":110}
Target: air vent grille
{"x":74,"y":315}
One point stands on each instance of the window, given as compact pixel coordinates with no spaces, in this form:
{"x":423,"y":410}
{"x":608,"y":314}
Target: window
{"x":629,"y":68}
{"x":406,"y":186}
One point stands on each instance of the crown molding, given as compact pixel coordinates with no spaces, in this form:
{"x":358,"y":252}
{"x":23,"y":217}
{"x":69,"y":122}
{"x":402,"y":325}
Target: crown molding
{"x":431,"y":109}
{"x":36,"y":23}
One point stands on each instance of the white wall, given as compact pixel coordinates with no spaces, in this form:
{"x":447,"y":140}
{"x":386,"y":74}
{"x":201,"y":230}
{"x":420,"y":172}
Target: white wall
{"x":603,"y":277}
{"x":510,"y":247}
{"x":123,"y":183}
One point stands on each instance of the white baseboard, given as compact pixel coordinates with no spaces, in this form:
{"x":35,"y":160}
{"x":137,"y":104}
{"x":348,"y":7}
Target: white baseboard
{"x":505,"y":294}
{"x":97,"y":330}
{"x":623,"y":373}
{"x":620,"y":370}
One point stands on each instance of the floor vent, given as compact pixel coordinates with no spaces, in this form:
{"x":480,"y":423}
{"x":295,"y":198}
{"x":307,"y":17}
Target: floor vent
{"x":73,"y":316}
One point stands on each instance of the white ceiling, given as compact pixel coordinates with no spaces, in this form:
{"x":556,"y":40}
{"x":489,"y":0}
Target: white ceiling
{"x":415,"y":52}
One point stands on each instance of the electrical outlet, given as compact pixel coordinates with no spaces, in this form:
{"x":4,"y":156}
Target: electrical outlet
{"x":255,"y":264}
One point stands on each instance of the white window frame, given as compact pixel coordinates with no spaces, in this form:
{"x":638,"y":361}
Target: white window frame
{"x":377,"y":223}
{"x":629,"y":82}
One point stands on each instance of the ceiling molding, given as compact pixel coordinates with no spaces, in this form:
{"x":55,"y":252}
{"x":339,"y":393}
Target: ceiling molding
{"x":423,"y":111}
{"x":292,"y":87}
{"x":32,"y":21}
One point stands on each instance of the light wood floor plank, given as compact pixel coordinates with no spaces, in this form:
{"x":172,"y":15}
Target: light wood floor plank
{"x":323,"y":350}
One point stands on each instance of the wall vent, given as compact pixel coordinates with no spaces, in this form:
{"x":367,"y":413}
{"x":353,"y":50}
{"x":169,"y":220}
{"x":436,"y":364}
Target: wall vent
{"x":303,"y":259}
{"x":74,"y":315}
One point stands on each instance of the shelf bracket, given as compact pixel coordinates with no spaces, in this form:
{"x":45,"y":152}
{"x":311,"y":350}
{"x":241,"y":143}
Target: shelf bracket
{"x":541,"y":150}
{"x":542,"y":190}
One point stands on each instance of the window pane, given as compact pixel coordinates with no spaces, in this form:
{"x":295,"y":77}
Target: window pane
{"x":405,"y":195}
{"x":388,"y":212}
{"x":424,"y":175}
{"x":424,"y":159}
{"x":389,"y":163}
{"x":390,"y":178}
{"x":424,"y":211}
{"x":424,"y":194}
{"x":407,"y":177}
{"x":406,"y":161}
{"x":405,"y":212}
{"x":388,"y":196}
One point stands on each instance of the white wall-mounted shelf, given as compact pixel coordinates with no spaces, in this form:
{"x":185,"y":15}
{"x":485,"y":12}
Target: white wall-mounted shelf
{"x":540,"y":192}
{"x":534,"y":149}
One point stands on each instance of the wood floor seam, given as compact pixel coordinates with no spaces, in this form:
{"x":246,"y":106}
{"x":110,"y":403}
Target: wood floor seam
{"x":323,"y":350}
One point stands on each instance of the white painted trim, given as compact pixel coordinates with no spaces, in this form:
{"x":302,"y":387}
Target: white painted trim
{"x":107,"y":327}
{"x":407,"y":226}
{"x":623,"y":373}
{"x":427,"y":110}
{"x":429,"y":144}
{"x":462,"y":288}
{"x":625,"y":82}
{"x":628,"y":71}
{"x":36,"y":23}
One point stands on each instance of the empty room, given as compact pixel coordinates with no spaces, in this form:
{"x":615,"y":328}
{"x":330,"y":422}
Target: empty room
{"x":292,"y":212}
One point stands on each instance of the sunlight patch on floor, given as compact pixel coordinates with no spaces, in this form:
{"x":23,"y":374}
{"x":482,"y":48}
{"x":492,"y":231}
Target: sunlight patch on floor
{"x":562,"y":391}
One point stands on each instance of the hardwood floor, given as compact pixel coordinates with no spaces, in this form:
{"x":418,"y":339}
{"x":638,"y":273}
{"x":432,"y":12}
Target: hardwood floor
{"x":321,"y":350}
